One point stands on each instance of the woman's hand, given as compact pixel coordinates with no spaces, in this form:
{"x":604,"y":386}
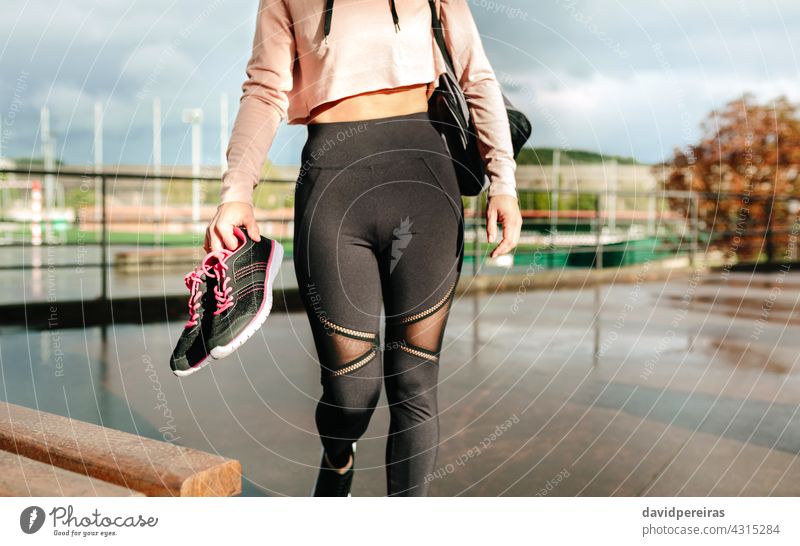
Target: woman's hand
{"x":503,"y":208}
{"x":219,"y":233}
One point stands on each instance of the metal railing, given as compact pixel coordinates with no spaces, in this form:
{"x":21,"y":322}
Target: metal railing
{"x":675,"y":233}
{"x":102,"y":178}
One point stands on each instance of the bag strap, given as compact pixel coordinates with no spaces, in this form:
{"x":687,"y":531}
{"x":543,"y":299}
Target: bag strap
{"x":439,"y":35}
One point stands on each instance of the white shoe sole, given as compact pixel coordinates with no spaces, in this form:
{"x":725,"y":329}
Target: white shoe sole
{"x":222,"y":351}
{"x":193,"y":369}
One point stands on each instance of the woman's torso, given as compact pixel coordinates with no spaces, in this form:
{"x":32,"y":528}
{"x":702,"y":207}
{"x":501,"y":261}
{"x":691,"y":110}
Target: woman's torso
{"x":374,"y":104}
{"x":366,"y":68}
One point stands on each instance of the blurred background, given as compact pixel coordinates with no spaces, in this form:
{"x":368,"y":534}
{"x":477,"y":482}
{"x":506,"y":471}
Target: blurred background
{"x":636,"y":341}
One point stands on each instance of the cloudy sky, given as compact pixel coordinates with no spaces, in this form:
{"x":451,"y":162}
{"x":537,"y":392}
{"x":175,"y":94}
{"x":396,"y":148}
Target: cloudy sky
{"x":627,"y":77}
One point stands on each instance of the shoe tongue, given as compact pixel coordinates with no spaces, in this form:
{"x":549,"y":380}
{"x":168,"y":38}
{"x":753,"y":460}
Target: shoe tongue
{"x":216,"y":257}
{"x":240,"y":234}
{"x":210,"y":261}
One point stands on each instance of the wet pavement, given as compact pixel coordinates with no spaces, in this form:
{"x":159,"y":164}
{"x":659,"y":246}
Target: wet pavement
{"x":651,"y":388}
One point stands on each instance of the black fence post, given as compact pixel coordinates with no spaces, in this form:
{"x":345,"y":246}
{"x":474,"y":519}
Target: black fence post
{"x":103,"y":243}
{"x":598,"y":222}
{"x":770,"y":247}
{"x":694,"y":214}
{"x":476,"y":249}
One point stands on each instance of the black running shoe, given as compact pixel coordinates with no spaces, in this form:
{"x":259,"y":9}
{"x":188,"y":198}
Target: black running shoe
{"x":243,"y":292}
{"x":332,"y":484}
{"x":191,"y":352}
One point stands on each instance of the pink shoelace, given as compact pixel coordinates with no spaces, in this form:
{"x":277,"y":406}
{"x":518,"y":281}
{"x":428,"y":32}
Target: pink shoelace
{"x":193,"y":280}
{"x":215,"y":264}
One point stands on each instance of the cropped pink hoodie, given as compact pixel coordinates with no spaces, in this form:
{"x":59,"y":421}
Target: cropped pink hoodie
{"x":294,"y":67}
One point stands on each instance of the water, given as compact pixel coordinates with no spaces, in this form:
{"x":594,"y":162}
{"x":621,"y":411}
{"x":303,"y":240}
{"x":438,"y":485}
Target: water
{"x":65,"y":273}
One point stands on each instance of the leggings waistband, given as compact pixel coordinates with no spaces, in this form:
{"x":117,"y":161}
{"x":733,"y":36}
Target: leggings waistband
{"x":364,"y":142}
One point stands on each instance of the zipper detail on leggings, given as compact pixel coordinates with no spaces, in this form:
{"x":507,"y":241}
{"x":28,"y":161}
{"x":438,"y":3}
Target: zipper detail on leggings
{"x":416,"y":352}
{"x":430,"y":310}
{"x":355,"y":365}
{"x":342,"y":329}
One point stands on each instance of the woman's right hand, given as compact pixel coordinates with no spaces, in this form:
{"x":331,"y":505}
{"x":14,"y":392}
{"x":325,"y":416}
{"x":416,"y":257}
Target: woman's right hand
{"x":219,"y":233}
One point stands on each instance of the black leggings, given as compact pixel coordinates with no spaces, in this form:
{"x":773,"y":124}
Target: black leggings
{"x":379,"y":218}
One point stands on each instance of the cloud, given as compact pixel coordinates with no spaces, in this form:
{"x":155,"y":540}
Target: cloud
{"x":153,"y":67}
{"x":636,"y":78}
{"x":620,"y":76}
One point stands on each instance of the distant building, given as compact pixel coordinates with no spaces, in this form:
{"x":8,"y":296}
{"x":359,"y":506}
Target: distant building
{"x":595,"y":177}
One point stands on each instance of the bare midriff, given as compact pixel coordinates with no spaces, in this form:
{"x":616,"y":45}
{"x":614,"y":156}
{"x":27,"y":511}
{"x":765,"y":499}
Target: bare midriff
{"x":396,"y":101}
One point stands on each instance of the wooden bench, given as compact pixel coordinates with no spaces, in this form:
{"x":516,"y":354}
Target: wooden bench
{"x":24,"y":477}
{"x":43,"y":454}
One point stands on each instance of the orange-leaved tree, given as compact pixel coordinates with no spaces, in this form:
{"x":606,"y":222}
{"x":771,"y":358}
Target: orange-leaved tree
{"x":752,"y":151}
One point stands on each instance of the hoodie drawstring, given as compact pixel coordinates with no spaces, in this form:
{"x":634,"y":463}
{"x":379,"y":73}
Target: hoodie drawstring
{"x":329,"y":15}
{"x":395,"y":18}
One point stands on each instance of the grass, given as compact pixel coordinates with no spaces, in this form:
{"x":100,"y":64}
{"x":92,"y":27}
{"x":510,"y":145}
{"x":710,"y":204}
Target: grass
{"x":75,"y":236}
{"x":544,"y":156}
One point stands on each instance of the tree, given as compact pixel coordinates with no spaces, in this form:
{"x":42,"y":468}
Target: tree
{"x":752,"y":150}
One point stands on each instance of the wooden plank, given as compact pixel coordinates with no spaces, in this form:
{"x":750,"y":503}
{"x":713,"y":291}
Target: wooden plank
{"x":24,"y":477}
{"x":150,"y":466}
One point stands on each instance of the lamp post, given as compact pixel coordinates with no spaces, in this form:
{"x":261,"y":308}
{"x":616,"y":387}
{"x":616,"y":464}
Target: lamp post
{"x":49,"y":165}
{"x":223,"y":132}
{"x":157,"y":167}
{"x":98,"y":159}
{"x":194,"y":117}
